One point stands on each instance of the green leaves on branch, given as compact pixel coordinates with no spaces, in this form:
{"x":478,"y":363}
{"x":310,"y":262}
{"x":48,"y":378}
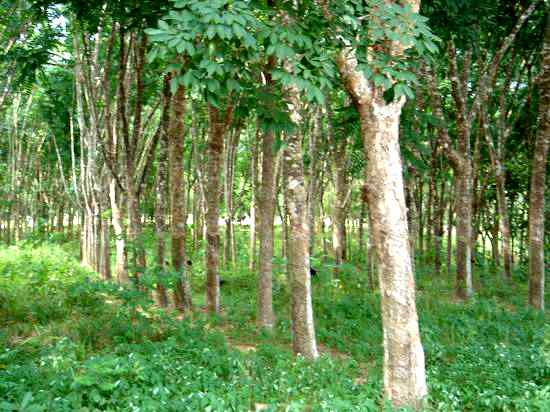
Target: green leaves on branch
{"x":213,"y":42}
{"x":223,"y":46}
{"x":388,"y":39}
{"x":396,"y":23}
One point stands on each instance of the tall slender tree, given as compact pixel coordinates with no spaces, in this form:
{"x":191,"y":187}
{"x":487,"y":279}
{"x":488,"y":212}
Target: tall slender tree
{"x":404,"y":368}
{"x":538,"y":178}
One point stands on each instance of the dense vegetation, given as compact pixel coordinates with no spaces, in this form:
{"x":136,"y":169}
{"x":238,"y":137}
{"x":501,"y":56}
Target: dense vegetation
{"x":274,"y":205}
{"x":82,"y":343}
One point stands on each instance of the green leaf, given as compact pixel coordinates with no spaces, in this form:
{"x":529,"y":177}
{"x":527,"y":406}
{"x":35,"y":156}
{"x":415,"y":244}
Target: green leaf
{"x":402,"y":89}
{"x":210,"y":32}
{"x":107,"y":386}
{"x":317,"y":95}
{"x":431,"y":46}
{"x":26,"y":400}
{"x":152,"y":55}
{"x":84,"y":380}
{"x":188,"y":79}
{"x":239,"y":31}
{"x":174,"y":84}
{"x":233,"y":85}
{"x":212,"y":85}
{"x":7,"y":406}
{"x":378,"y":79}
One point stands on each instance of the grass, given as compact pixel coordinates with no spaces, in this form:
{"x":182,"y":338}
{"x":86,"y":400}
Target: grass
{"x":73,"y":343}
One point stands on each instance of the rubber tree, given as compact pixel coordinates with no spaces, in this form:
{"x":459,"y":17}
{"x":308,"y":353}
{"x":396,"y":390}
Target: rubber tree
{"x":379,"y":113}
{"x":538,"y":177}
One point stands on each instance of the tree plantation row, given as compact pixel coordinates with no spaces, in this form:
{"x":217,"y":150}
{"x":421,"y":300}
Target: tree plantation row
{"x":323,"y":137}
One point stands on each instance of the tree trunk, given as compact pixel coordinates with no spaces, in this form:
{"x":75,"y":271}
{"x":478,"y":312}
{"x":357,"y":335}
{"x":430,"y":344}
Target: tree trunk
{"x":322,"y":223}
{"x":60,"y":219}
{"x":404,"y":370}
{"x":461,"y":162}
{"x":504,"y":222}
{"x":105,"y":224}
{"x":412,"y":218}
{"x":253,"y":205}
{"x":421,"y":218}
{"x":135,"y":241}
{"x":137,"y":259}
{"x":340,"y":193}
{"x":231,"y":151}
{"x":266,"y":208}
{"x":197,"y":222}
{"x":121,"y":257}
{"x":161,"y":197}
{"x":362,"y":218}
{"x":105,"y":250}
{"x":464,"y":288}
{"x":70,"y":223}
{"x":218,"y":127}
{"x":372,"y":265}
{"x":430,"y":206}
{"x":182,"y":294}
{"x":303,"y":331}
{"x":439,"y":213}
{"x":283,"y":211}
{"x":495,"y":252}
{"x":538,"y":177}
{"x":404,"y":376}
{"x":312,"y":187}
{"x":198,"y":190}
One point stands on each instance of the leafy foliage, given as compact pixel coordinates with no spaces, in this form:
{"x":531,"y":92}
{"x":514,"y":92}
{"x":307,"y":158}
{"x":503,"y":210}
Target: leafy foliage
{"x":81,"y":344}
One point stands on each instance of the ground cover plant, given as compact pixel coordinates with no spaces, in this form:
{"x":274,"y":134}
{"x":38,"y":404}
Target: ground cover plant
{"x":72,"y":342}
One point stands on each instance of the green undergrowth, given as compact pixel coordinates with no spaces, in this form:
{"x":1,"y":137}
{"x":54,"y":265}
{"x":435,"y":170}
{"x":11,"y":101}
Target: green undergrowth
{"x":73,"y":343}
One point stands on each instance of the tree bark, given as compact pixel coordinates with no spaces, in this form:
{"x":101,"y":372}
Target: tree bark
{"x":303,"y":331}
{"x":121,"y":257}
{"x":230,"y":157}
{"x":404,"y":377}
{"x":253,"y":201}
{"x":538,"y":177}
{"x":439,"y":213}
{"x":105,"y":224}
{"x":464,"y":287}
{"x":161,"y":196}
{"x":312,"y":187}
{"x":182,"y":294}
{"x":404,"y":370}
{"x":362,"y":219}
{"x":218,"y":126}
{"x":266,"y":209}
{"x":412,"y":215}
{"x":419,"y":199}
{"x":340,"y":192}
{"x":450,"y":214}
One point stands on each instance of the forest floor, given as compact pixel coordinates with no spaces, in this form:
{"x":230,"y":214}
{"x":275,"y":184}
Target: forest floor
{"x":74,"y":343}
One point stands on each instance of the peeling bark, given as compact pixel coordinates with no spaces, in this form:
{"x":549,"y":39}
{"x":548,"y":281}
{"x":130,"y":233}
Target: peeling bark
{"x":404,"y":369}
